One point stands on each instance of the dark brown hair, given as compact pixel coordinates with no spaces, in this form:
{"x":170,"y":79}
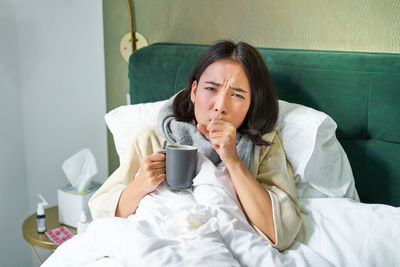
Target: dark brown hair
{"x":263,"y":111}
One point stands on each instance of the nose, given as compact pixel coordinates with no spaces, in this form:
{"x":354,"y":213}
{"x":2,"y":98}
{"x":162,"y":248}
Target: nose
{"x":221,"y":104}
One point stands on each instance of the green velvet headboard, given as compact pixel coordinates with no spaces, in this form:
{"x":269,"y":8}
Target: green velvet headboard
{"x":358,"y":90}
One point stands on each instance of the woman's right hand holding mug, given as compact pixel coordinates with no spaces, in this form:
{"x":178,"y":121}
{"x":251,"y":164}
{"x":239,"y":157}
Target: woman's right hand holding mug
{"x":152,"y":172}
{"x":150,"y":176}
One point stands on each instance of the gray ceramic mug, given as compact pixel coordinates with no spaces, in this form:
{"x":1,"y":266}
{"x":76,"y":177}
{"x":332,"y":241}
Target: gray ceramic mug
{"x":181,"y":163}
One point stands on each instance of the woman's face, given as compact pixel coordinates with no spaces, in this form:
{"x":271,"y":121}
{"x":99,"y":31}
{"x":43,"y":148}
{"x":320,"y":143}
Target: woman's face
{"x":222,"y":92}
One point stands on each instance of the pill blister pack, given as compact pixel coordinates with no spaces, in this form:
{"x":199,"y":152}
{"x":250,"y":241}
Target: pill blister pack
{"x":59,"y":235}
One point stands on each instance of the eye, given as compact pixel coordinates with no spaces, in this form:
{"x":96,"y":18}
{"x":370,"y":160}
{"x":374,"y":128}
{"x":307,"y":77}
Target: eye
{"x":212,"y":89}
{"x":238,"y":96}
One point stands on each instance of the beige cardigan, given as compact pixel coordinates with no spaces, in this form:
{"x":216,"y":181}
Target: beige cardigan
{"x":270,"y":168}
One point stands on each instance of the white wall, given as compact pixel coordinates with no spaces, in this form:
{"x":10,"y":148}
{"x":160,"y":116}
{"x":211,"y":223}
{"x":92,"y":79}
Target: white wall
{"x":13,"y":183}
{"x":56,"y":100}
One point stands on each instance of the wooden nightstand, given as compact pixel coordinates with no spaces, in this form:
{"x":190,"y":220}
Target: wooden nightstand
{"x":35,"y":239}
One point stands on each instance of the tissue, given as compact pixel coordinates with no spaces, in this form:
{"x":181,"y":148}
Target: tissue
{"x":80,"y":168}
{"x":190,"y":222}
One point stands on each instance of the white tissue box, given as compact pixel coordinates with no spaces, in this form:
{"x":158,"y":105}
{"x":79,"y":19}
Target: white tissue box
{"x":71,"y":203}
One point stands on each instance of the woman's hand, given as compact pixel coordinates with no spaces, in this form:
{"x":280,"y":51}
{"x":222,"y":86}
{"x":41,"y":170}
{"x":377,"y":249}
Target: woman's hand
{"x":255,"y":200}
{"x":222,"y":135}
{"x":152,"y":172}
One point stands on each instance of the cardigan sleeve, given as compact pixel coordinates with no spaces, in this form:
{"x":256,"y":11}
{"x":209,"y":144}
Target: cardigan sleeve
{"x":104,"y":202}
{"x":275,"y":174}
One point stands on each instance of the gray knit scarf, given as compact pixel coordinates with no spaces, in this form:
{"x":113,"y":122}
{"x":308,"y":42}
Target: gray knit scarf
{"x":183,"y":133}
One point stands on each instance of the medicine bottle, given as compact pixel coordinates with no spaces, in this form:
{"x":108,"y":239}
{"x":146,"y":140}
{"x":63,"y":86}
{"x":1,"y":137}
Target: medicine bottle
{"x":83,"y":223}
{"x":40,"y":216}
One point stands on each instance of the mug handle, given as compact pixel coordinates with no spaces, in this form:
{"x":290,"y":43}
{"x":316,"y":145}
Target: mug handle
{"x":164,"y":146}
{"x":162,"y":152}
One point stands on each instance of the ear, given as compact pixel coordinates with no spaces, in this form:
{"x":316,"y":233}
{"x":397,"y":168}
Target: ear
{"x":193,"y":92}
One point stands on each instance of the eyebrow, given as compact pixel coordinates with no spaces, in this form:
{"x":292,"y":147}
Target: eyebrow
{"x":233,"y":88}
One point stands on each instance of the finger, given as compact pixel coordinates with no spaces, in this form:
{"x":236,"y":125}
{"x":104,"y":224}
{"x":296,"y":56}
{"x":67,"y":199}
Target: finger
{"x":154,"y":174}
{"x":216,"y":146}
{"x":222,"y":132}
{"x":220,"y":121}
{"x":203,"y":129}
{"x":161,"y":177}
{"x":216,"y":125}
{"x":149,"y":164}
{"x":157,"y":157}
{"x":156,"y":180}
{"x":215,"y":142}
{"x":222,"y":142}
{"x":162,"y":151}
{"x":213,"y":127}
{"x":157,"y":165}
{"x":218,"y":134}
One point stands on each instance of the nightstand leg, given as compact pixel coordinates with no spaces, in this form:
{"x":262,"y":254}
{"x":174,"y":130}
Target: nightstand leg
{"x":36,"y":255}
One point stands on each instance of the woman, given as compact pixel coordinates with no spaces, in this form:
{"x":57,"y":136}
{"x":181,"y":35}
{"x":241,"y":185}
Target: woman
{"x":228,"y":110}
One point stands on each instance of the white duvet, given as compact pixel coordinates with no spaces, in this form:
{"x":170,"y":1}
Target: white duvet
{"x":206,"y":227}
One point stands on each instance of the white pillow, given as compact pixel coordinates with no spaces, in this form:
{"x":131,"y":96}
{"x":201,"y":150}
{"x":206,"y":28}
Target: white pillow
{"x":320,"y":165}
{"x":125,"y":122}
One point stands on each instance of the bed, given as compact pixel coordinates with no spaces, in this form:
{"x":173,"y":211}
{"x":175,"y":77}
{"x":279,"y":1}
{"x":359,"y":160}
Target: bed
{"x":339,"y":127}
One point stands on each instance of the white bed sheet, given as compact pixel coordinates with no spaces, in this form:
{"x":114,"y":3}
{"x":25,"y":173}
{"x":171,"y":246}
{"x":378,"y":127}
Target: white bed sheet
{"x":336,"y":232}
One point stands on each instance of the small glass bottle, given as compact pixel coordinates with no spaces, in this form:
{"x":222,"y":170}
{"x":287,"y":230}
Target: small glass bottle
{"x":40,"y":216}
